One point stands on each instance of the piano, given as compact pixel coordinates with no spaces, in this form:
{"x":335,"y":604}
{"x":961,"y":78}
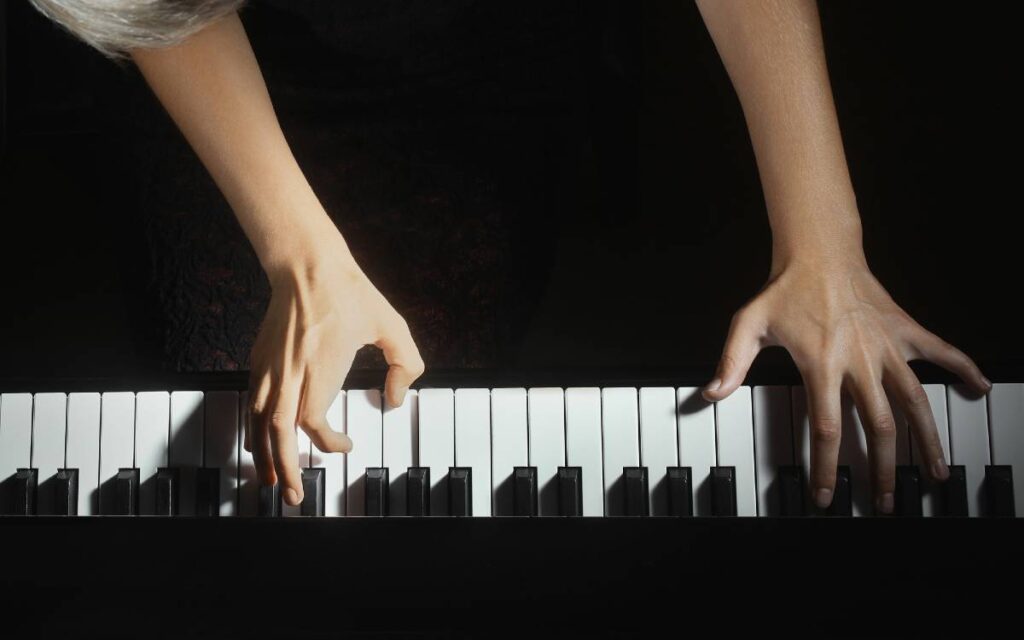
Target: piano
{"x":554,"y":503}
{"x":562,"y":501}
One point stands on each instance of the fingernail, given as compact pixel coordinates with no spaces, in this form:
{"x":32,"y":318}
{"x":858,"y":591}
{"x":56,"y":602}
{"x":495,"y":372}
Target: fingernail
{"x":884,"y":503}
{"x":988,"y":385}
{"x":291,"y":496}
{"x":823,"y":498}
{"x":939,"y":469}
{"x":713,"y":385}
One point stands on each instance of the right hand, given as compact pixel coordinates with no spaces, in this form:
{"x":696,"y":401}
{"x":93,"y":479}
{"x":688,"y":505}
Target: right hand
{"x":318,"y":318}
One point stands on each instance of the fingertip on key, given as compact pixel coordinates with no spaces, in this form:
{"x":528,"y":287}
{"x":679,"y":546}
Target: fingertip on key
{"x":823,"y":498}
{"x":397,"y":397}
{"x":292,"y":497}
{"x":711,"y":388}
{"x":346,"y":443}
{"x":884,"y":503}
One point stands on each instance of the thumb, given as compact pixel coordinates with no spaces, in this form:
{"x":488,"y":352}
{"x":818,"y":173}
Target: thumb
{"x":404,"y":362}
{"x":741,"y":347}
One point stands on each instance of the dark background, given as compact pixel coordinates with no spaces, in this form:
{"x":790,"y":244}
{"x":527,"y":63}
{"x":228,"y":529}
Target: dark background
{"x":534,"y":185}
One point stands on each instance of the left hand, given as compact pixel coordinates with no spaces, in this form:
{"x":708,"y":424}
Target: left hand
{"x":845,"y":333}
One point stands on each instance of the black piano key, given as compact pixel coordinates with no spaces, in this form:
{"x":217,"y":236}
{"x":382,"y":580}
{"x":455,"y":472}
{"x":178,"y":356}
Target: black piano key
{"x":460,"y":491}
{"x":908,"y":491}
{"x":65,"y":494}
{"x":723,"y":491}
{"x":208,"y":492}
{"x":637,"y":495}
{"x":126,"y":492}
{"x":680,"y":492}
{"x":570,"y":491}
{"x":842,"y":496}
{"x":314,"y":482}
{"x":999,"y":490}
{"x":524,"y":491}
{"x":377,"y":492}
{"x":790,"y":490}
{"x":269,"y":501}
{"x":417,"y":491}
{"x":954,"y":492}
{"x":26,"y":485}
{"x":168,"y":490}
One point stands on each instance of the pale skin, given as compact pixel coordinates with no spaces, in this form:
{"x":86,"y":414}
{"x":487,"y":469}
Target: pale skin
{"x":821,"y":301}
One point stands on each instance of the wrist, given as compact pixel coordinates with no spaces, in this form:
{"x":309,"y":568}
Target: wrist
{"x":307,"y":253}
{"x":819,"y":260}
{"x":836,"y":246}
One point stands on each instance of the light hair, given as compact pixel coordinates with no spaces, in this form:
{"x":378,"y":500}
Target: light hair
{"x":114,"y":27}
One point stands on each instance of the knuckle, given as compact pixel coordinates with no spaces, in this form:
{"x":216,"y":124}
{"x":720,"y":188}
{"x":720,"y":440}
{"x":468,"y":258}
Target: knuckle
{"x":395,"y":327}
{"x":310,"y":420}
{"x":963,"y":361}
{"x":279,"y":421}
{"x":827,"y":430}
{"x":417,"y":367}
{"x":883,"y":425}
{"x":917,"y":398}
{"x":728,"y":363}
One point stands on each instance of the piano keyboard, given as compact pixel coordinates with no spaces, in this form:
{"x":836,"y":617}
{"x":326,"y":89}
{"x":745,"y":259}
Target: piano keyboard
{"x":613,"y":451}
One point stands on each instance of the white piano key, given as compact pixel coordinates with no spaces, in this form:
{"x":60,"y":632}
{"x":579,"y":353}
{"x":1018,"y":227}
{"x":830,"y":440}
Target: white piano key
{"x":49,"y":434}
{"x":546,"y":411}
{"x":364,"y":421}
{"x":186,"y":445}
{"x":620,"y":429}
{"x":1006,"y":428}
{"x":659,"y":443}
{"x":437,"y":443}
{"x":222,"y":444}
{"x":248,"y":483}
{"x":509,"y":440}
{"x":696,"y":422}
{"x":473,"y":443}
{"x":931,"y":502}
{"x":968,"y":441}
{"x":735,"y":439}
{"x":117,"y":442}
{"x":583,"y":444}
{"x":83,"y":449}
{"x":152,"y":427}
{"x":401,"y":435}
{"x":305,"y":448}
{"x":334,"y":464}
{"x":15,"y":441}
{"x":15,"y":433}
{"x":773,"y":444}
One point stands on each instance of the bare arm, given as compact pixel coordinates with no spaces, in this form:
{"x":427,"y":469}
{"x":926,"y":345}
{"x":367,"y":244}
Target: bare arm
{"x":821,"y":301}
{"x":323,"y":308}
{"x":213,"y":89}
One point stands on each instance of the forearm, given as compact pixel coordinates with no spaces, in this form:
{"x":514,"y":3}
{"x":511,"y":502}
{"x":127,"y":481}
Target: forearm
{"x":212,"y":88}
{"x":773,"y":52}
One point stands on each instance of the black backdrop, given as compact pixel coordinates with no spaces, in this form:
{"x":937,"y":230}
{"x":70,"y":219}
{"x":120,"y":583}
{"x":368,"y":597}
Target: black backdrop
{"x":533,"y":184}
